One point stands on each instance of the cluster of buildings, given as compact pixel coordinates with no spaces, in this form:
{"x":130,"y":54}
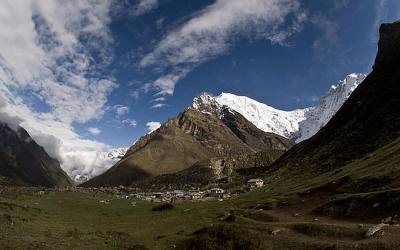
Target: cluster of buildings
{"x":180,"y":195}
{"x":123,"y":192}
{"x":191,"y":195}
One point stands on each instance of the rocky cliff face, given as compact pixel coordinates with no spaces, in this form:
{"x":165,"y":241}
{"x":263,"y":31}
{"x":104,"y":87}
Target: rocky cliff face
{"x":23,"y":162}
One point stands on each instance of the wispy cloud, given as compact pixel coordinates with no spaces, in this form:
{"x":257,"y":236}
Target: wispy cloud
{"x":213,"y":30}
{"x":330,"y":36}
{"x":381,"y":14}
{"x":121,"y":110}
{"x":158,"y":105}
{"x":130,"y":122}
{"x":46,"y":47}
{"x":386,"y":11}
{"x":144,"y":6}
{"x":94,"y":131}
{"x":135,"y":9}
{"x":330,"y":28}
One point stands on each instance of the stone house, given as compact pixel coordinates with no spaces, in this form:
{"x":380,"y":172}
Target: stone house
{"x":255,"y":183}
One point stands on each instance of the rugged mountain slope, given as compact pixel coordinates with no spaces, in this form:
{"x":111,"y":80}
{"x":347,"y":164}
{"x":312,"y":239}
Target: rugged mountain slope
{"x":216,"y":169}
{"x":191,"y":137}
{"x":23,"y":162}
{"x":298,"y":124}
{"x":367,"y":122}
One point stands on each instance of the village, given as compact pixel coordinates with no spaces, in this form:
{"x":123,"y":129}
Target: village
{"x":174,"y":196}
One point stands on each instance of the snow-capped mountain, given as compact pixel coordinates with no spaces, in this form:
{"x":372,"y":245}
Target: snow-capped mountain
{"x":298,"y":124}
{"x":115,"y":154}
{"x":318,"y":116}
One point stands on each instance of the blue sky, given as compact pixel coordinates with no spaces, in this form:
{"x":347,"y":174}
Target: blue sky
{"x":84,"y":77}
{"x":338,"y":38}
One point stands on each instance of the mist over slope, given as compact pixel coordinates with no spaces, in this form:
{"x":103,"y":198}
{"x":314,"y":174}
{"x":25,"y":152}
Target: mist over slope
{"x":24,"y":163}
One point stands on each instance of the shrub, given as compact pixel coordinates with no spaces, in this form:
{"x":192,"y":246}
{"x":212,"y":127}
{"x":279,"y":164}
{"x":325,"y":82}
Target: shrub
{"x":224,"y":237}
{"x":163,"y":207}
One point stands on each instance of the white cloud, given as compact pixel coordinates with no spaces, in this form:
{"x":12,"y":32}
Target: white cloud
{"x":138,"y":8}
{"x":144,"y":6}
{"x":158,"y":105}
{"x":160,"y":23}
{"x":46,"y":50}
{"x":94,"y":131}
{"x":386,"y":11}
{"x":121,"y":110}
{"x":12,"y":121}
{"x":151,"y":126}
{"x":134,"y":94}
{"x":77,"y":156}
{"x":130,"y":122}
{"x":213,"y":30}
{"x":159,"y":99}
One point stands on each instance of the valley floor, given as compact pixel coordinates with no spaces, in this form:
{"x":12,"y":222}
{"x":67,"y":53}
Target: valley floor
{"x":30,"y":219}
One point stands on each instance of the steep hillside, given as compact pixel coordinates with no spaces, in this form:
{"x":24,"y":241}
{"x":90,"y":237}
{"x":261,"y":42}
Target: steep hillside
{"x":191,"y":137}
{"x":367,"y":122}
{"x":25,"y":163}
{"x":227,"y":170}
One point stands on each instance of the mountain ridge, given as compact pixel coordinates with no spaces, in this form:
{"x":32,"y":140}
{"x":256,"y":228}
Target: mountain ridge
{"x":367,"y":122}
{"x":191,"y":137}
{"x":25,"y":163}
{"x":298,"y":124}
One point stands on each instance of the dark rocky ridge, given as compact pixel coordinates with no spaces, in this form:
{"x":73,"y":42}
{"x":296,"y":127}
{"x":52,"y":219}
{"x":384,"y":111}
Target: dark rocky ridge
{"x":24,"y":163}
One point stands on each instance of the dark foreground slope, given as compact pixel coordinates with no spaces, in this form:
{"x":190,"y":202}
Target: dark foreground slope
{"x":24,"y":162}
{"x":190,"y":138}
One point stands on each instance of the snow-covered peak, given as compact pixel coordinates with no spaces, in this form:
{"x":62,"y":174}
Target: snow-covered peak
{"x":116,"y":153}
{"x":298,"y":124}
{"x":207,"y":103}
{"x":318,"y":116}
{"x":346,"y":86}
{"x":263,"y":116}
